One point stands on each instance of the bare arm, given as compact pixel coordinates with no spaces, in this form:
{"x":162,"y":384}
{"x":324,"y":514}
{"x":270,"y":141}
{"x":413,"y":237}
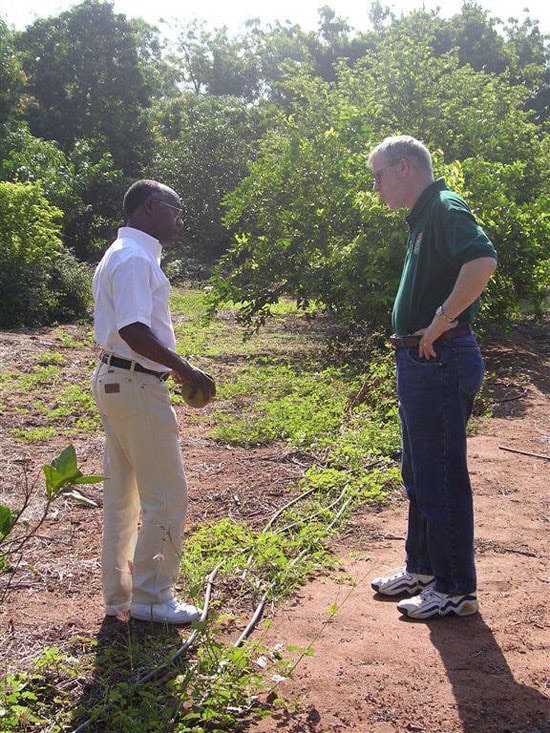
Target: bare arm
{"x":141,"y":339}
{"x":471,"y":280}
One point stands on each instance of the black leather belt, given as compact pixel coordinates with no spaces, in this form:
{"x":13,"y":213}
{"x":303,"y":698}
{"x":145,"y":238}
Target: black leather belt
{"x":412,"y":341}
{"x":133,"y":366}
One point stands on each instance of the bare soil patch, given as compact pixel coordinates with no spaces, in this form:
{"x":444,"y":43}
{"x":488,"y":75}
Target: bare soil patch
{"x":371,"y":671}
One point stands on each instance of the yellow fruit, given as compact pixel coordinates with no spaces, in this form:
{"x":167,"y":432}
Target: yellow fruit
{"x":197,"y":400}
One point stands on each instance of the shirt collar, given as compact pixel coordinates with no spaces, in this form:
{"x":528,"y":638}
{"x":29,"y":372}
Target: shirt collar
{"x":149,"y":243}
{"x":425,"y":197}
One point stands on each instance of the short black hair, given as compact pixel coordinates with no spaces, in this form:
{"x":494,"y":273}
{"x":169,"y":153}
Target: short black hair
{"x":138,"y":192}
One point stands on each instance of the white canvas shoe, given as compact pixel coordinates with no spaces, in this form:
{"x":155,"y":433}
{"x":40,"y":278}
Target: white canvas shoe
{"x":169,"y":612}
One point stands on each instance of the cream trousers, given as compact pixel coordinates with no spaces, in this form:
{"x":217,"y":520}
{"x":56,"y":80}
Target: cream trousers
{"x":143,"y":475}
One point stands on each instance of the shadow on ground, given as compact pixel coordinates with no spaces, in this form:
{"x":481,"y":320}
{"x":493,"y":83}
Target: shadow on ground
{"x":481,"y":680}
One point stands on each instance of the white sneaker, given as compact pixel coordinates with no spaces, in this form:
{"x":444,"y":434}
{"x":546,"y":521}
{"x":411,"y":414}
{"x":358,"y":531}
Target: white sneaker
{"x":430,"y":603}
{"x":169,"y":612}
{"x":400,"y":582}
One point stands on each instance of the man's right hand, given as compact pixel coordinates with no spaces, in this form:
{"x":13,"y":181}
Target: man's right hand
{"x":198,"y":379}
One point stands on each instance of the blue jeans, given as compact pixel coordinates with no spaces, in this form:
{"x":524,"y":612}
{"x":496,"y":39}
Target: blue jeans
{"x":436,"y":397}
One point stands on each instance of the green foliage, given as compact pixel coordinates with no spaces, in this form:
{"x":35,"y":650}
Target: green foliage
{"x":298,"y":406}
{"x":204,"y":145}
{"x":11,"y":76}
{"x":33,"y":435}
{"x":68,"y":408}
{"x":31,"y":699}
{"x":514,"y":204}
{"x":319,"y":410}
{"x":86,"y":80}
{"x":39,"y":281}
{"x":7,"y":519}
{"x":30,"y":245}
{"x":62,"y":475}
{"x":306,"y":222}
{"x":83,"y":183}
{"x":276,"y":124}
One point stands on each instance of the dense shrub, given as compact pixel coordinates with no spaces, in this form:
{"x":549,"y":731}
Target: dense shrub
{"x":39,"y":281}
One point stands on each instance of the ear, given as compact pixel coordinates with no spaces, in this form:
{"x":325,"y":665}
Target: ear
{"x":404,"y":167}
{"x":148,"y":204}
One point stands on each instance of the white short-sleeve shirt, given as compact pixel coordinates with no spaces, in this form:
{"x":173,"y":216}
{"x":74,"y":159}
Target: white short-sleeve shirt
{"x":130,"y":287}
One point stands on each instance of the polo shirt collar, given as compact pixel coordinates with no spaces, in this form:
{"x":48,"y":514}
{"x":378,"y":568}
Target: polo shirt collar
{"x":425,"y":197}
{"x":149,"y":243}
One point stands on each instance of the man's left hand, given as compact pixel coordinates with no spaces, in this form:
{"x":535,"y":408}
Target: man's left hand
{"x":437,"y":327}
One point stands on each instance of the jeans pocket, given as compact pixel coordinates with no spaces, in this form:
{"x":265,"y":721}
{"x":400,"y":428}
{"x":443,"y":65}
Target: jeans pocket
{"x":414,"y":357}
{"x":114,"y":393}
{"x":470,"y":369}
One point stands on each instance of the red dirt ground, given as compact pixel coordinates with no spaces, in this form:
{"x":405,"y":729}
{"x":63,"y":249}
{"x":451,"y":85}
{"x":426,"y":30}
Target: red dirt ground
{"x":371,"y":671}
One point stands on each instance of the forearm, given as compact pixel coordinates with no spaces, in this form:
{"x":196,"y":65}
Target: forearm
{"x":472,"y":279}
{"x":142,"y":340}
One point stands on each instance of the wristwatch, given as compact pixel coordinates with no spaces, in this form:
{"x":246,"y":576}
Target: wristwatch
{"x":440,"y":313}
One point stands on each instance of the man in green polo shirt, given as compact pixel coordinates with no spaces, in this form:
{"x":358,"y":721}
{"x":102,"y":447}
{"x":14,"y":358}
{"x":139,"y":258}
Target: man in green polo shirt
{"x":448,"y":263}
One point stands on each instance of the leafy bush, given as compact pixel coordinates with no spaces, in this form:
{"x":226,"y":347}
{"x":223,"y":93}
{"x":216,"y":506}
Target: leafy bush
{"x":71,"y":281}
{"x":83,"y":183}
{"x":39,"y":281}
{"x":29,"y":230}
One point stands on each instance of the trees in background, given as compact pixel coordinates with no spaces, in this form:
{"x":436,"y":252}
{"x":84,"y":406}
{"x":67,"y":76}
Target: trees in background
{"x":204,"y":145}
{"x":307,"y":223}
{"x":86,"y":80}
{"x":265,"y":135}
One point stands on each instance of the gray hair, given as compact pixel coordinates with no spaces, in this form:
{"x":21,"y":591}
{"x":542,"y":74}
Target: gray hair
{"x":405,"y":146}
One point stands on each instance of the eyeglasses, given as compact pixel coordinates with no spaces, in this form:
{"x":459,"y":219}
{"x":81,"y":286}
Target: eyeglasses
{"x":377,"y":174}
{"x":171,"y":206}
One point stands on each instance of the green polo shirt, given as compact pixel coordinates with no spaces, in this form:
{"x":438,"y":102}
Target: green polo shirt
{"x":443,"y":236}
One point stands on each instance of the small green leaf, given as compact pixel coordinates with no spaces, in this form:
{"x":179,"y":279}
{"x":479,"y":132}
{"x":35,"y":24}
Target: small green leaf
{"x":89,"y":479}
{"x":65,"y":463}
{"x":64,"y":472}
{"x":6,"y":520}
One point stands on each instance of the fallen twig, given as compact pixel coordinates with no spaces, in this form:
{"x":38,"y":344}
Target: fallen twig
{"x":525,"y":452}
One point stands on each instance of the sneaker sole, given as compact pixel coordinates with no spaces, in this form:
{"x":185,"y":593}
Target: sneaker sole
{"x":465,"y":607}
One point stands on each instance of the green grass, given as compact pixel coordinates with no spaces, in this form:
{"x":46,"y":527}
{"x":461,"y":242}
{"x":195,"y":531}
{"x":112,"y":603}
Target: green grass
{"x":67,"y":406}
{"x":33,"y":435}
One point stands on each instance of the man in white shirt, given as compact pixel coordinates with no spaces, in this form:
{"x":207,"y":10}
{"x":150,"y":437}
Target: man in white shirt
{"x":142,"y":465}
